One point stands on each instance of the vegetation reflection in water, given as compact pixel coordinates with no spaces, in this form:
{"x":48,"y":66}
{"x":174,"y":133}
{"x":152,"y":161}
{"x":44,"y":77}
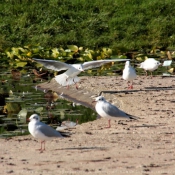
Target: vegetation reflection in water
{"x":19,"y":99}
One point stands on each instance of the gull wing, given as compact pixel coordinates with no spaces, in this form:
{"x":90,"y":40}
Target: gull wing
{"x":98,"y":63}
{"x":48,"y":131}
{"x":54,"y":65}
{"x":113,"y":111}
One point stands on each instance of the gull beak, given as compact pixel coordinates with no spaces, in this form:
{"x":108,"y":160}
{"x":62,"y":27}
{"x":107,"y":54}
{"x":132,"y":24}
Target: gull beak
{"x":93,"y":101}
{"x":27,"y":119}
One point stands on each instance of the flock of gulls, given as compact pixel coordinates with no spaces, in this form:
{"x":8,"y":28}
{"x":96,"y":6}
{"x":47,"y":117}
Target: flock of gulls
{"x":104,"y":109}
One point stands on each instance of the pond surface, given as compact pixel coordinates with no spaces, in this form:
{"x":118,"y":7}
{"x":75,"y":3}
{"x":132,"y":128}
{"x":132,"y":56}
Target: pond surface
{"x":20,"y":99}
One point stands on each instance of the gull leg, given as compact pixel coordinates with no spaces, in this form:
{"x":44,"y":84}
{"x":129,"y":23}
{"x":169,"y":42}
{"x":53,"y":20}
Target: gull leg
{"x":67,"y":85}
{"x":40,"y":149}
{"x":128,"y":84}
{"x":131,"y":86}
{"x":44,"y":146}
{"x":109,"y":124}
{"x":146,"y":73}
{"x":75,"y":84}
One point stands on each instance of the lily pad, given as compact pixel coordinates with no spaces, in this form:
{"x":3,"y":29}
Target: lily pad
{"x":39,"y":110}
{"x":22,"y":114}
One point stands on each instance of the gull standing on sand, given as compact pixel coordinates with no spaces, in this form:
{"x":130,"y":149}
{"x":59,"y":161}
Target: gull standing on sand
{"x":129,"y":74}
{"x":70,"y":77}
{"x":107,"y":110}
{"x":150,"y":64}
{"x":41,"y":131}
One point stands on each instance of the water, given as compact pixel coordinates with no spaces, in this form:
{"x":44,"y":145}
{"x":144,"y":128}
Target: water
{"x":20,"y":99}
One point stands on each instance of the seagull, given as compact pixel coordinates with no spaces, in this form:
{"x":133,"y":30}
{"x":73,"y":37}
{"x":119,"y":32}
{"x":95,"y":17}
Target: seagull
{"x":66,"y":125}
{"x":70,"y":77}
{"x":41,"y":131}
{"x":150,"y":64}
{"x":129,"y":74}
{"x":107,"y":110}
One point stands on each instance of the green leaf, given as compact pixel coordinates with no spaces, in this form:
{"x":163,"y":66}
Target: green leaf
{"x":21,"y":64}
{"x":73,"y":48}
{"x":55,"y":53}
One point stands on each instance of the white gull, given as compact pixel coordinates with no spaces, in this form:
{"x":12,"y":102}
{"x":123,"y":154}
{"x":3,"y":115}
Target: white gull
{"x":107,"y":110}
{"x":129,"y":74}
{"x":41,"y":131}
{"x":150,"y":64}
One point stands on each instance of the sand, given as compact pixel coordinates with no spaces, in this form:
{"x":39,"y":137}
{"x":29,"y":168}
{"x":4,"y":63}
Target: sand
{"x":145,"y":146}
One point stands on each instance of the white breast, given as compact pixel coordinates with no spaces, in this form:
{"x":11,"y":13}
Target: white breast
{"x":35,"y":132}
{"x":100,"y":111}
{"x":129,"y":74}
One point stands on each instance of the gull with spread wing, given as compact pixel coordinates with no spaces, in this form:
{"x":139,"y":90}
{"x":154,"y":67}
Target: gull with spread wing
{"x":70,"y":77}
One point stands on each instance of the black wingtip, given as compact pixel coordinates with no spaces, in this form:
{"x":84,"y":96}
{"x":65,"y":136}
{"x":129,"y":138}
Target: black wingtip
{"x":65,"y":134}
{"x":133,"y":117}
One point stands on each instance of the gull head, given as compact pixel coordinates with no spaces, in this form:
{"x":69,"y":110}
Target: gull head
{"x":100,"y":98}
{"x":158,"y":63}
{"x":79,"y":67}
{"x":127,"y":64}
{"x":34,"y":117}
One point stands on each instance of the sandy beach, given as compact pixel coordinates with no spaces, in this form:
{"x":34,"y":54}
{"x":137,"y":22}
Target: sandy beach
{"x":144,"y":146}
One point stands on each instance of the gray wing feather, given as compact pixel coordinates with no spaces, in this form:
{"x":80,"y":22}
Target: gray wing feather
{"x":54,"y":65}
{"x":49,"y":131}
{"x":113,"y":111}
{"x":98,"y":63}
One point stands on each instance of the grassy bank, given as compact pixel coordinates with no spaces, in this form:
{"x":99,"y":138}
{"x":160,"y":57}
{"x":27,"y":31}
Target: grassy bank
{"x":126,"y":24}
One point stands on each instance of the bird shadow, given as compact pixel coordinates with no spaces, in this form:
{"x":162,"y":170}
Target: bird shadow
{"x":144,"y":125}
{"x":83,"y":148}
{"x":152,"y":88}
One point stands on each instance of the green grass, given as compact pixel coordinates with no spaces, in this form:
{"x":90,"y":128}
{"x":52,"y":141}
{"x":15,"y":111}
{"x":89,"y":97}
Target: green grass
{"x":128,"y":24}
